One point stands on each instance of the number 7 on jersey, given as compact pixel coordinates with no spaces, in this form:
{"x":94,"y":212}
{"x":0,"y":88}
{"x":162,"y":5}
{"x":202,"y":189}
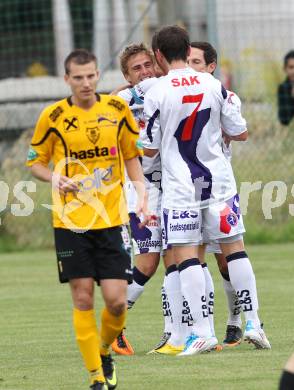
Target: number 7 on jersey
{"x":188,"y":128}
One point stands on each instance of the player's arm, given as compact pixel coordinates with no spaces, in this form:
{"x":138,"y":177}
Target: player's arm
{"x":41,"y":172}
{"x":135,"y":173}
{"x":131,"y":149}
{"x":240,"y":137}
{"x":63,"y":183}
{"x":150,"y":152}
{"x":151,"y":134}
{"x":233,"y":124}
{"x":119,"y":89}
{"x":40,"y":154}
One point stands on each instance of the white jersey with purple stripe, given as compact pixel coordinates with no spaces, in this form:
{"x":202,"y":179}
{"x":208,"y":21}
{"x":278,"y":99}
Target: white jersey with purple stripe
{"x":185,"y":111}
{"x":151,"y":165}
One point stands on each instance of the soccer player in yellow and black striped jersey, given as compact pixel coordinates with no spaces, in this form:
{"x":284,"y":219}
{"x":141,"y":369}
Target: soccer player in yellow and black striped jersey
{"x":89,"y":138}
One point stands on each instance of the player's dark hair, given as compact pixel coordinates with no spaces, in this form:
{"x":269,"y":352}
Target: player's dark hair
{"x":79,"y":57}
{"x":173,"y":42}
{"x":209,"y":52}
{"x":129,"y":51}
{"x":288,"y":57}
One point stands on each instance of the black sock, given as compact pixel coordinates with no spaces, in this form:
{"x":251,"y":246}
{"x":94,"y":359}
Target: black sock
{"x":225,"y":275}
{"x":287,"y":381}
{"x":139,"y":277}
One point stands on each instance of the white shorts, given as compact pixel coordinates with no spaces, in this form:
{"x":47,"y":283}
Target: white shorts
{"x":213,"y":247}
{"x":181,"y":227}
{"x":146,"y":239}
{"x":213,"y":223}
{"x":222,"y":220}
{"x":165,"y":244}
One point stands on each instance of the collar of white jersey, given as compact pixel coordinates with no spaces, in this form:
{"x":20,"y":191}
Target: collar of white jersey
{"x":181,"y":70}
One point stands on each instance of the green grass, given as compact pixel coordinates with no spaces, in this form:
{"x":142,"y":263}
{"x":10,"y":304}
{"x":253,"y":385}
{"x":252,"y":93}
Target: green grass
{"x":38,"y":351}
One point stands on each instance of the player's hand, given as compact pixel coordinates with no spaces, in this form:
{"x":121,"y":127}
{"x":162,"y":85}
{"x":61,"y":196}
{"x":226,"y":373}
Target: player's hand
{"x":147,"y":220}
{"x":64,"y":184}
{"x":142,"y":210}
{"x":119,"y":89}
{"x":226,"y":138}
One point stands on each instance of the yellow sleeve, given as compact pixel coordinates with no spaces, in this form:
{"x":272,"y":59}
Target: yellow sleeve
{"x":129,"y":136}
{"x":41,"y":146}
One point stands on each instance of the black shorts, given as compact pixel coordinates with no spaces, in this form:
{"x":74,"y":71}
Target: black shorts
{"x":99,"y":254}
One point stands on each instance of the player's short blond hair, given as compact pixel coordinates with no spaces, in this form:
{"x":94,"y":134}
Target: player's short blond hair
{"x":131,"y":50}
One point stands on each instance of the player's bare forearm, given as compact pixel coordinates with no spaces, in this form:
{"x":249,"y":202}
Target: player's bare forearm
{"x":120,"y":88}
{"x":150,"y":152}
{"x":135,"y":173}
{"x":41,"y":172}
{"x":240,"y":137}
{"x":62,"y":183}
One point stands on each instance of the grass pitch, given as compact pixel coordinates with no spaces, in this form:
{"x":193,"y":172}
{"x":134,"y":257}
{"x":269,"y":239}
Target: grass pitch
{"x":38,"y":350}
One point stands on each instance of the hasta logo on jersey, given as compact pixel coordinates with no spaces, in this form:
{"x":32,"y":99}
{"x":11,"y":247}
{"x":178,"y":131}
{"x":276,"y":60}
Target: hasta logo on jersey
{"x":111,"y":153}
{"x":71,"y":124}
{"x":93,"y":134}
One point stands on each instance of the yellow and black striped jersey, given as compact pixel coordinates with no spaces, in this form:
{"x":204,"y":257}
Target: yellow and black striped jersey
{"x":88,"y":146}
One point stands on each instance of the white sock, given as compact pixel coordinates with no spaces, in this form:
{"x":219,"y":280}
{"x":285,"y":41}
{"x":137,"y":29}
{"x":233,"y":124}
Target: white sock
{"x":209,"y":293}
{"x":187,"y":319}
{"x":234,"y":308}
{"x":134,"y":292}
{"x":193,"y":289}
{"x":136,"y":288}
{"x":166,"y":308}
{"x":175,"y":298}
{"x":243,"y":280}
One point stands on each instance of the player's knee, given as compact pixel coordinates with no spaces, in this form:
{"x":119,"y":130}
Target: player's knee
{"x":148,"y":269}
{"x":222,"y":263}
{"x":148,"y":265}
{"x":117,"y":307}
{"x":83,"y":300}
{"x":168,"y":259}
{"x":223,"y":268}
